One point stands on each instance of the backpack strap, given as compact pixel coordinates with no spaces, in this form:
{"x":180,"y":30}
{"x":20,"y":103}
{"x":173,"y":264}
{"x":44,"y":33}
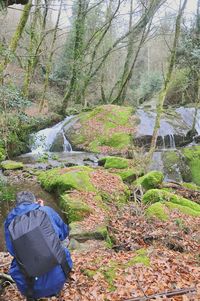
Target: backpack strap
{"x":65,"y":265}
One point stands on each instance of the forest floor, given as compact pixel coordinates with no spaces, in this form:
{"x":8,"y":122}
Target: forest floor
{"x":149,"y":257}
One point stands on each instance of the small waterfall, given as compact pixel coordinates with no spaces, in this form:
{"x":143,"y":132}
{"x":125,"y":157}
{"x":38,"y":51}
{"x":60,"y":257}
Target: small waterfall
{"x":163,"y":142}
{"x":42,"y":141}
{"x":66,"y":145}
{"x":172,"y":143}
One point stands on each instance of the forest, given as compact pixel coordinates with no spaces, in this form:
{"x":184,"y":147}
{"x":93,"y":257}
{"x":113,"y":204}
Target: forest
{"x":100,"y":118}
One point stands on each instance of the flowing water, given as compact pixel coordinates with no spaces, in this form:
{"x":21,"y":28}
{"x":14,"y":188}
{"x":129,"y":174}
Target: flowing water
{"x":43,"y":140}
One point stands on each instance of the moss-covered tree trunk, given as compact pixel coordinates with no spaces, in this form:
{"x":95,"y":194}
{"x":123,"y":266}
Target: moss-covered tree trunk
{"x":31,"y":55}
{"x":163,"y":92}
{"x":76,"y":77}
{"x":15,"y":39}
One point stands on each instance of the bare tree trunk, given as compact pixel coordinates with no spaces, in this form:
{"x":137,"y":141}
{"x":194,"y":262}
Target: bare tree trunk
{"x":163,"y":92}
{"x":146,"y":18}
{"x":49,"y":63}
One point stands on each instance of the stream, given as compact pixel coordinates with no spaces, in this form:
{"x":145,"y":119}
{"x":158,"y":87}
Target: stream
{"x":51,"y":148}
{"x":41,"y":144}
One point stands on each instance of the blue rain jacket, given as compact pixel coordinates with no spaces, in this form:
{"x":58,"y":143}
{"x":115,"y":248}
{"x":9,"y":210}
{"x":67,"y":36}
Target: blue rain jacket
{"x":48,"y":284}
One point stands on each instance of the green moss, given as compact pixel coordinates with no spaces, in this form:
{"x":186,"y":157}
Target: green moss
{"x":169,"y":200}
{"x":114,"y":162}
{"x":110,"y":275}
{"x":141,"y":257}
{"x":43,"y":159}
{"x":156,"y":195}
{"x":184,"y":209}
{"x":106,"y":125}
{"x":128,"y":174}
{"x":11,"y":165}
{"x":89,"y":273}
{"x":171,"y":157}
{"x":63,"y":179}
{"x":157,"y":210}
{"x":193,"y":159}
{"x":75,"y":210}
{"x":191,"y":186}
{"x":151,"y":180}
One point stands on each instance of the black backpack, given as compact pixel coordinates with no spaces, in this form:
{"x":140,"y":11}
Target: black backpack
{"x":37,"y":247}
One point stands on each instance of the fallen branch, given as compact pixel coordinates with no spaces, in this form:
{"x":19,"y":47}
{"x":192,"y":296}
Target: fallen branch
{"x":7,"y":277}
{"x":169,"y":294}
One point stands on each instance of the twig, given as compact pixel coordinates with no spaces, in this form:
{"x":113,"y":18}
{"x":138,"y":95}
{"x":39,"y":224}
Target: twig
{"x":7,"y":277}
{"x":169,"y":294}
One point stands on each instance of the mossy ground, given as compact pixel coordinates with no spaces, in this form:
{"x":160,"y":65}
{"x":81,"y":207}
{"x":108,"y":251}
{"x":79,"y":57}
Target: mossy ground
{"x":111,"y":269}
{"x":106,"y":129}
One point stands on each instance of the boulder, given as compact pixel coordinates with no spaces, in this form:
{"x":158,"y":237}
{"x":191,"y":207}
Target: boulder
{"x":192,"y":159}
{"x":161,"y":200}
{"x":11,"y":165}
{"x":81,"y":178}
{"x":106,"y":129}
{"x":150,"y":180}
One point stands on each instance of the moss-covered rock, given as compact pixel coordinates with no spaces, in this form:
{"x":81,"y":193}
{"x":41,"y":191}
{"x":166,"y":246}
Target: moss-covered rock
{"x":109,"y":187}
{"x":64,"y":179}
{"x":11,"y":165}
{"x":192,"y":155}
{"x":163,"y":199}
{"x":151,"y":180}
{"x":177,"y":166}
{"x":129,"y":174}
{"x":157,"y":210}
{"x":114,"y":162}
{"x":106,"y":129}
{"x":75,"y":210}
{"x":99,"y":232}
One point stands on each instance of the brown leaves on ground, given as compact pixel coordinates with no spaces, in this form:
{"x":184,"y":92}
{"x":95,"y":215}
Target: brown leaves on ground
{"x":112,"y":275}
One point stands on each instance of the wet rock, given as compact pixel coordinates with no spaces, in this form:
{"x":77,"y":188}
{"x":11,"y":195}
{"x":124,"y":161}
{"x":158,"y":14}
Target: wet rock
{"x":57,"y":145}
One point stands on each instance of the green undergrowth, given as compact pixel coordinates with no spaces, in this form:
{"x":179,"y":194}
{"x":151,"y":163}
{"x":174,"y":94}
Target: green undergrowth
{"x":7,"y":192}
